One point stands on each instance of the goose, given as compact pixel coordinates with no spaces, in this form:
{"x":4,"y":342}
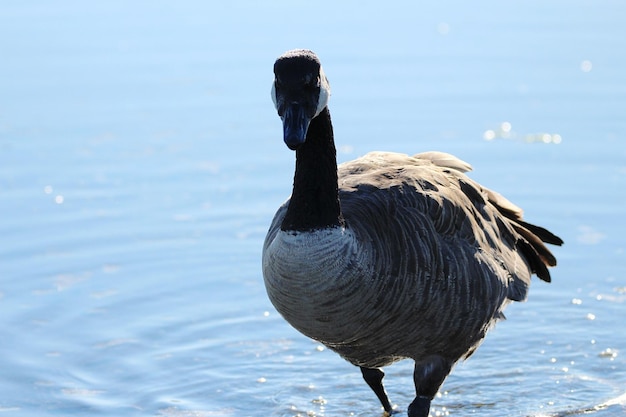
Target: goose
{"x":389,"y":256}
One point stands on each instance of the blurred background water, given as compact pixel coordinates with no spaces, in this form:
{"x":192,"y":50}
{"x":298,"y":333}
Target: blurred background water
{"x":141,"y":161}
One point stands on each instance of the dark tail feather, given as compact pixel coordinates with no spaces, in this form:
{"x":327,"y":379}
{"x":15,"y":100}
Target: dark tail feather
{"x":536,"y":262}
{"x":532,"y":245}
{"x":535,"y":241}
{"x":543,"y":234}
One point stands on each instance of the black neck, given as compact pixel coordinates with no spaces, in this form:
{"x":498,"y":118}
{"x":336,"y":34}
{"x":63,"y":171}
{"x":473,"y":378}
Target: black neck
{"x":314,"y":201}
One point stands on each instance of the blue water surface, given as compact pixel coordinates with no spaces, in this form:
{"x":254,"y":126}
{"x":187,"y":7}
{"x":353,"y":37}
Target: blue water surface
{"x":141,"y":162}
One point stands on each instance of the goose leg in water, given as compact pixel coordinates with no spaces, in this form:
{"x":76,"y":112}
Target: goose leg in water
{"x":374,"y":378}
{"x":428,"y":376}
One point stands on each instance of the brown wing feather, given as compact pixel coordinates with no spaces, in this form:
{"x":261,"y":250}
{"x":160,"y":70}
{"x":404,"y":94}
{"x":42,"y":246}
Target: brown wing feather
{"x":483,"y":216}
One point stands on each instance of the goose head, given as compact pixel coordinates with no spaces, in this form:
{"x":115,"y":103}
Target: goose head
{"x":300,"y":92}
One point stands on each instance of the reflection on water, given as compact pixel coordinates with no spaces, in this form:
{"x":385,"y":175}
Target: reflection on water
{"x":141,"y":163}
{"x":503,"y":131}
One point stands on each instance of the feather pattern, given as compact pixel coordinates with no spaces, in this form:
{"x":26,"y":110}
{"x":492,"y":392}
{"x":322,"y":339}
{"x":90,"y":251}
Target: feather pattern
{"x":422,"y":248}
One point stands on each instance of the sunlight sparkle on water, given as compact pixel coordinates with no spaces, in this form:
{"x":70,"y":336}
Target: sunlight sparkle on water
{"x":608,"y":353}
{"x":505,"y":131}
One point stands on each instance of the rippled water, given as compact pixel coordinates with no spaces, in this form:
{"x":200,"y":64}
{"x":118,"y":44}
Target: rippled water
{"x":141,"y":162}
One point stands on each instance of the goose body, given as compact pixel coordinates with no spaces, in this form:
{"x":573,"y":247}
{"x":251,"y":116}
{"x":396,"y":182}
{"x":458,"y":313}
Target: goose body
{"x":390,"y":256}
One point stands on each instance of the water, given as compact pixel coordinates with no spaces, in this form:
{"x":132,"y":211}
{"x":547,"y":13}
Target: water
{"x":141,"y":162}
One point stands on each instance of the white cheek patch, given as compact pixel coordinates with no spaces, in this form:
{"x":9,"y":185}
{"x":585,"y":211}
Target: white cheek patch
{"x":324,"y":93}
{"x":274,"y":95}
